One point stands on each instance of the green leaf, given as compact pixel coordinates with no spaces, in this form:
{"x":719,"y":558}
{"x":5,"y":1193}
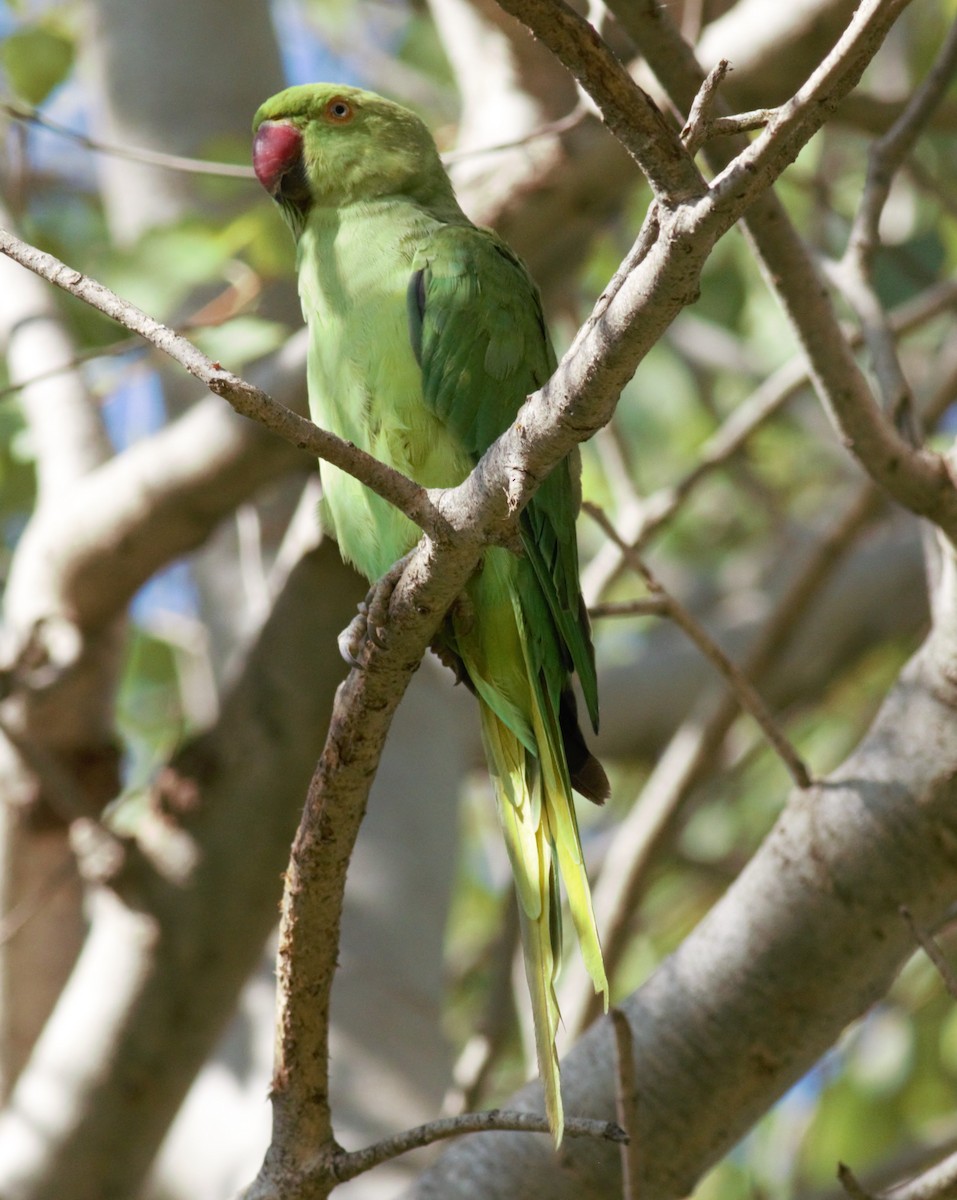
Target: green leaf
{"x":36,"y":60}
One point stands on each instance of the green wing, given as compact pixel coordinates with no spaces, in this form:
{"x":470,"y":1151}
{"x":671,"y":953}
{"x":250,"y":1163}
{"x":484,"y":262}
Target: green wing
{"x":477,"y":328}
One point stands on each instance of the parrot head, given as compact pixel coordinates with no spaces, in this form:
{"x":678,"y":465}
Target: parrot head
{"x":328,"y":145}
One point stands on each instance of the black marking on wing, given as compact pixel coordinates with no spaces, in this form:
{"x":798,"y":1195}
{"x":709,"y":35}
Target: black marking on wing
{"x":415,"y":306}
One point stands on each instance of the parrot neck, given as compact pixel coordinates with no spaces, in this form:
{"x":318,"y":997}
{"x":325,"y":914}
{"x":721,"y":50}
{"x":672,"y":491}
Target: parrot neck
{"x":441,"y":207}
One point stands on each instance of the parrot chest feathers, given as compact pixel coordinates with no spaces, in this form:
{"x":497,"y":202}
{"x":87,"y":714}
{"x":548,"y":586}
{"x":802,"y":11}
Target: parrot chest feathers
{"x":365,"y":382}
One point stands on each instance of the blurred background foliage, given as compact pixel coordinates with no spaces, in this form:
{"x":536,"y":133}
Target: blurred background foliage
{"x":889,"y":1088}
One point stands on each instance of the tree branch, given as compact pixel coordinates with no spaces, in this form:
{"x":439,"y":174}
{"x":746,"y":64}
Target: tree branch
{"x":755,"y":994}
{"x":855,"y":273}
{"x":918,"y":479}
{"x":737,"y":680}
{"x":348,"y":1164}
{"x":628,"y":112}
{"x":247,"y":400}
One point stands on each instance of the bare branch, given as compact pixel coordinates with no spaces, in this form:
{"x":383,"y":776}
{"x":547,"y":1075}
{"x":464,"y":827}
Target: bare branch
{"x":627,"y":111}
{"x":743,"y":689}
{"x":933,"y":951}
{"x":247,"y":400}
{"x":626,"y":1104}
{"x":889,"y":152}
{"x":347,"y":1165}
{"x":315,"y":879}
{"x":647,"y":606}
{"x":855,"y":274}
{"x":156,"y":158}
{"x":699,"y":124}
{"x":546,"y":129}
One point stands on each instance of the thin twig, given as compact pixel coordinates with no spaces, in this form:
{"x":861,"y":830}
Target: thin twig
{"x":548,"y":129}
{"x":850,"y":1184}
{"x":929,"y":945}
{"x":856,"y":272}
{"x":646,"y":606}
{"x":728,"y":125}
{"x":205,"y":166}
{"x":698,"y":126}
{"x":745,"y":692}
{"x":626,"y":1104}
{"x":245,"y":398}
{"x":156,"y":158}
{"x":888,"y":153}
{"x":349,"y":1164}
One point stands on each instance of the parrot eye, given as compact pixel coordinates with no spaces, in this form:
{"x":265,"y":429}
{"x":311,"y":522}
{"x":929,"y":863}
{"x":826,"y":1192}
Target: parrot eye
{"x":339,"y":110}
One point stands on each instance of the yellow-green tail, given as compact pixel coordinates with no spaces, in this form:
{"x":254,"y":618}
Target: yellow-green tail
{"x":541,"y":833}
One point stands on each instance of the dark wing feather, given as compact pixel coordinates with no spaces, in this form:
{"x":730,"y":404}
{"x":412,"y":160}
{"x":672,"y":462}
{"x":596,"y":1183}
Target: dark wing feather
{"x":476,"y":324}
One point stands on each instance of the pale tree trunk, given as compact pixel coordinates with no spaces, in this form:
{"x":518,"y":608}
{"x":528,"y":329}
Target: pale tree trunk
{"x":803,"y":942}
{"x":57,"y":760}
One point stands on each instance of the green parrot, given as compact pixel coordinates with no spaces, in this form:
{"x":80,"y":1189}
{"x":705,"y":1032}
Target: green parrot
{"x":426,"y":335}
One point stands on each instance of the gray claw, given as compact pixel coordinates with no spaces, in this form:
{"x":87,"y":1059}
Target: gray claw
{"x":354,"y":636}
{"x":371,"y":622}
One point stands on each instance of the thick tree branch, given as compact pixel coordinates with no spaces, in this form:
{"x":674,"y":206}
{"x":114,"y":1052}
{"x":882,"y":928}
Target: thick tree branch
{"x":755,"y":994}
{"x":67,"y":430}
{"x":159,"y":499}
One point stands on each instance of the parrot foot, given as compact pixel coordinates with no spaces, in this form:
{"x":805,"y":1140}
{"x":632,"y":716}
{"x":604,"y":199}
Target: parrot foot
{"x":369,"y":623}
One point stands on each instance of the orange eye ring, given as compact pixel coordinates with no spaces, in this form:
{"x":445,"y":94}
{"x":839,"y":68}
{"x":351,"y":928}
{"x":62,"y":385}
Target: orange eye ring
{"x":339,"y":110}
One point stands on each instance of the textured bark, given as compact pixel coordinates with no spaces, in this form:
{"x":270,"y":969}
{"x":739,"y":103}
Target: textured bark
{"x":803,"y":942}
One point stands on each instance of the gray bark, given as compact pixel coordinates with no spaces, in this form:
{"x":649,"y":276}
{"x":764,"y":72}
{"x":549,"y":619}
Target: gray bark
{"x":803,"y":942}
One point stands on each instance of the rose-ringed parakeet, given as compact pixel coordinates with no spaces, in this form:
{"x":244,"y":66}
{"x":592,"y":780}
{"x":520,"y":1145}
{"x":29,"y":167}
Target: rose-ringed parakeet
{"x":426,"y":334}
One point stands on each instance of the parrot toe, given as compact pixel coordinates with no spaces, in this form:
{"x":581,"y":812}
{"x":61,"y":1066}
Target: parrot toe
{"x":354,"y":637}
{"x":370,"y":624}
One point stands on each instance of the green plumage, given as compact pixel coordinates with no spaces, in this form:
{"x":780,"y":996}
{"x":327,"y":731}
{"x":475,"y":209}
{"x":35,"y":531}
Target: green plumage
{"x":426,"y":336}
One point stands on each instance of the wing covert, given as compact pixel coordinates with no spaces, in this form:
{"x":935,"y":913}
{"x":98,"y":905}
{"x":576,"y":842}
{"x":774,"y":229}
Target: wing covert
{"x":478,"y":332}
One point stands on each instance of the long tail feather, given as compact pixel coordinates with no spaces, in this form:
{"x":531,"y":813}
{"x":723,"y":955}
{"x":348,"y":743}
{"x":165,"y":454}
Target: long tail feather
{"x":541,"y":835}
